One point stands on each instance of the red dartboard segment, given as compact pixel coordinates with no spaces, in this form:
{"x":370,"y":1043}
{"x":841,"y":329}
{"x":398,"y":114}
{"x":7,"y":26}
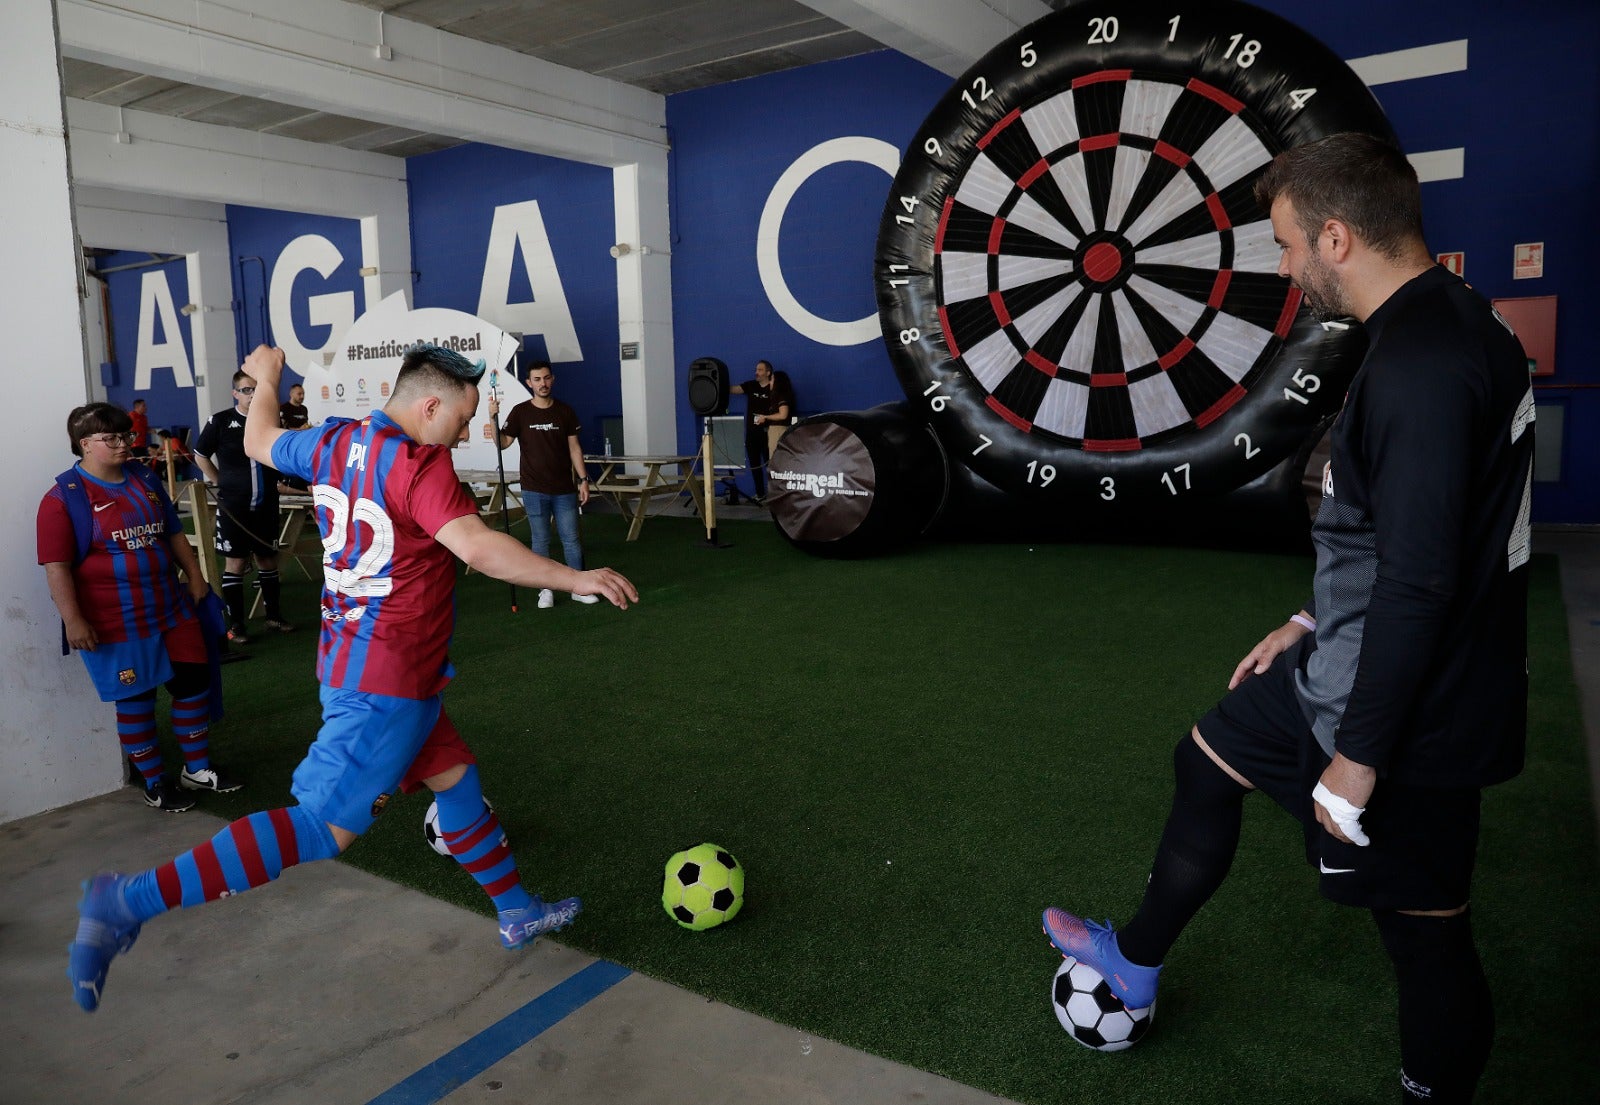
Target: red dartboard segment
{"x":1103,"y":75}
{"x":1291,"y":307}
{"x":1231,"y":105}
{"x":944,"y":222}
{"x":1011,"y":117}
{"x":1113,"y":445}
{"x":1220,"y":407}
{"x":1219,"y":289}
{"x":1009,"y":415}
{"x":1048,"y":367}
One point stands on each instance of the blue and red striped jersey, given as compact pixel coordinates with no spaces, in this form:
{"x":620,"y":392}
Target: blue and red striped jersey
{"x":127,"y":585}
{"x":388,"y":595}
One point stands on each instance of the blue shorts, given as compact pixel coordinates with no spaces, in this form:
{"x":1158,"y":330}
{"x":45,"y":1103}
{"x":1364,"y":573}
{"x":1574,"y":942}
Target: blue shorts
{"x":361,"y":754}
{"x":127,"y":669}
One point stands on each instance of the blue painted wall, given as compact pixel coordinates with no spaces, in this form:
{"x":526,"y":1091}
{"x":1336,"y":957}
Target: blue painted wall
{"x":166,"y":403}
{"x":256,"y":238}
{"x":731,"y":143}
{"x":454,"y":194}
{"x":1527,"y":112}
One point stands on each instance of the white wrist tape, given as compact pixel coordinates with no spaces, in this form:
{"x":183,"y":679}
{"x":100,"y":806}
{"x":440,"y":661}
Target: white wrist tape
{"x":1344,"y":815}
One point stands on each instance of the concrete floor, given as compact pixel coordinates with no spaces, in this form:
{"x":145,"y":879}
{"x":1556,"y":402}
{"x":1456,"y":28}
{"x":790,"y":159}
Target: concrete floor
{"x":336,"y":986}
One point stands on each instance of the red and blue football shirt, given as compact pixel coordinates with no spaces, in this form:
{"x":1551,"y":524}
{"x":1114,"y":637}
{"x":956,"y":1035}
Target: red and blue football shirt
{"x":127,"y":586}
{"x":388,"y":597}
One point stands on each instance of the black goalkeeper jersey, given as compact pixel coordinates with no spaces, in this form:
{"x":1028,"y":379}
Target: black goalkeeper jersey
{"x":1422,"y":547}
{"x":241,"y":482}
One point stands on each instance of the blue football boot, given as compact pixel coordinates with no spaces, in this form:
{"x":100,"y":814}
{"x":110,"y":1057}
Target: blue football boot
{"x":520,"y":926}
{"x":1095,"y":946}
{"x":105,"y":931}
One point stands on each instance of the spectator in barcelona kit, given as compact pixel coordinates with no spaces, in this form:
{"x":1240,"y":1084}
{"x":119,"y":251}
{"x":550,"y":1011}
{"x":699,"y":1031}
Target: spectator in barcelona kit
{"x":111,"y":545}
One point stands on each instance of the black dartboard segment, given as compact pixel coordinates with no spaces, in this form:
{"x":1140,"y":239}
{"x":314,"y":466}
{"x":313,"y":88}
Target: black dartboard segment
{"x":1073,"y":276}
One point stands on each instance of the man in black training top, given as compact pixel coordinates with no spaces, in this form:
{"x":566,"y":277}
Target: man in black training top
{"x":247,"y":511}
{"x":1376,"y":714}
{"x":758,"y":395}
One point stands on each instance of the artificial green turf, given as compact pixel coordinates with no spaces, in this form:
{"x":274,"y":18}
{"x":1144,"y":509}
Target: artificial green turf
{"x":912,"y":756}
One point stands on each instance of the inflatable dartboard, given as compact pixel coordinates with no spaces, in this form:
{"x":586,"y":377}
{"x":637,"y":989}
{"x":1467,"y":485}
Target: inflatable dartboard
{"x":1075,"y":282}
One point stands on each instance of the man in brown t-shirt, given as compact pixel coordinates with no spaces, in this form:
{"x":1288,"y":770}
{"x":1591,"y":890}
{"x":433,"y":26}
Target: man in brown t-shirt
{"x":547,"y":431}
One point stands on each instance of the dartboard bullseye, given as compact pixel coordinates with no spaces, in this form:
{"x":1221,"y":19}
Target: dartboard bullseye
{"x":1075,"y":281}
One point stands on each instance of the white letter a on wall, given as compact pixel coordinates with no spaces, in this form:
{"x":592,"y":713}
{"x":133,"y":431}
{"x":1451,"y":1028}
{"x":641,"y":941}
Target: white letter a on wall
{"x":155,"y":296}
{"x":519,"y":227}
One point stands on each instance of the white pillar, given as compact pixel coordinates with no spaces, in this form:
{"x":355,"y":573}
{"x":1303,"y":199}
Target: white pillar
{"x":386,"y":255}
{"x":57,"y":739}
{"x":644,"y":308}
{"x":212,"y":330}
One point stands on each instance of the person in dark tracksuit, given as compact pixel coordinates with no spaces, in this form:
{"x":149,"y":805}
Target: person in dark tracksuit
{"x":1379,"y":711}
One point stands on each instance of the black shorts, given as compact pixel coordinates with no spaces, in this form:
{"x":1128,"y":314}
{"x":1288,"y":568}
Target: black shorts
{"x":243,"y":530}
{"x":1423,"y":840}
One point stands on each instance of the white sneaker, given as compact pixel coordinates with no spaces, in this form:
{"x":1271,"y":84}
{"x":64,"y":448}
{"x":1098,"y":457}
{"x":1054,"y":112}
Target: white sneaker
{"x":547,"y":599}
{"x":587,"y":600}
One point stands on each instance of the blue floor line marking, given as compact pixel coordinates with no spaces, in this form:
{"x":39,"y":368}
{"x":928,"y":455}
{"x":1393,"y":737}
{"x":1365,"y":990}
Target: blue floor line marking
{"x":471,"y":1058}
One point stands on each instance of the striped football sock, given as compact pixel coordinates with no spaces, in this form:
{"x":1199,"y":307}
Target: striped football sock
{"x":136,"y":729}
{"x":472,"y":833}
{"x":245,"y":854}
{"x":191,"y":724}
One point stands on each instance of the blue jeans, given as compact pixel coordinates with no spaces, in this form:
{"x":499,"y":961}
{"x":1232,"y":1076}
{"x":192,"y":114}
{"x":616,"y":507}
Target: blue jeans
{"x":564,"y":508}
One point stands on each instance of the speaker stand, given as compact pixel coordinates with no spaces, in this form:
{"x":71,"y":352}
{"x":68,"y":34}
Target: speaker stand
{"x":708,"y":495}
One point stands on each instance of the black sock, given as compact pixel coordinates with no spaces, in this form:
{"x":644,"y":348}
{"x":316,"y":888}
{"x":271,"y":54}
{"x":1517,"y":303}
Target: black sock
{"x":268,"y":581}
{"x":1446,"y":1012}
{"x":1193,"y":858}
{"x":233,"y":597}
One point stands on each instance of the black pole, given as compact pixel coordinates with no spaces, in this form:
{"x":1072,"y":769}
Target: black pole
{"x":500,"y":463}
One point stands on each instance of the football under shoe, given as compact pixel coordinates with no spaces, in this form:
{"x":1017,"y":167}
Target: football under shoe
{"x":1095,"y":946}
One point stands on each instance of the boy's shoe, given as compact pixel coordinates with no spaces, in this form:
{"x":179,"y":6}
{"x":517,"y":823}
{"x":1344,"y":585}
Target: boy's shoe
{"x":167,"y":796}
{"x":587,"y":600}
{"x":1095,"y":946}
{"x":209,"y":778}
{"x":547,"y":599}
{"x":104,"y":932}
{"x":280,"y":625}
{"x":520,"y":926}
{"x":238,"y":636}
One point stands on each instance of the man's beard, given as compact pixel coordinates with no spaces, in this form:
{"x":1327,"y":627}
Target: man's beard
{"x":1324,"y":296}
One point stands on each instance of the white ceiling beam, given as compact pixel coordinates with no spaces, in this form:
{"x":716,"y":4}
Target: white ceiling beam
{"x":143,"y":152}
{"x":337,"y":57}
{"x":114,"y":219}
{"x":948,"y":35}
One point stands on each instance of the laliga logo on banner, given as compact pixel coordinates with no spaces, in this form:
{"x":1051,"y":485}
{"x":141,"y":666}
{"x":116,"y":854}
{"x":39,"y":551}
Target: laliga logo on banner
{"x":369,"y":353}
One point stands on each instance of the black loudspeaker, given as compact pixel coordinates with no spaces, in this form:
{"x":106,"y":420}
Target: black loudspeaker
{"x":708,"y":386}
